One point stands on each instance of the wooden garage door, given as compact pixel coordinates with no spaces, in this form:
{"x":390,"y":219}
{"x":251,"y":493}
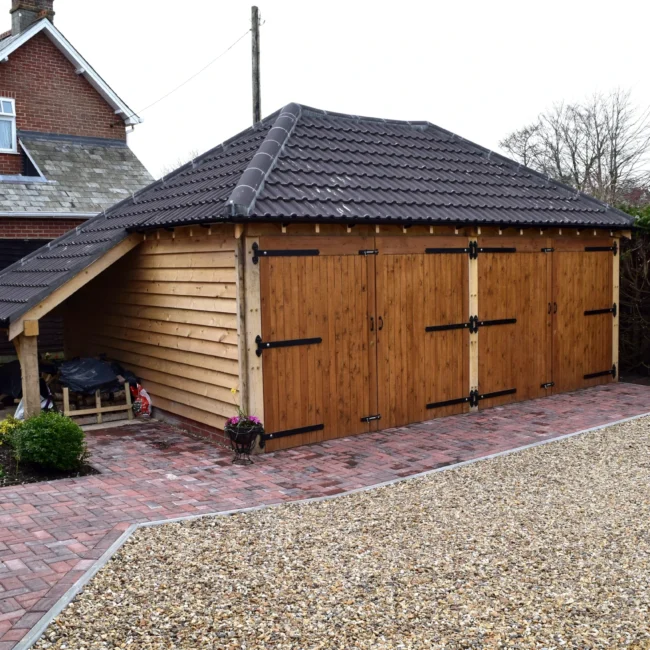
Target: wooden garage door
{"x":422,"y":333}
{"x":514,"y":319}
{"x":315,"y":309}
{"x":582,"y":314}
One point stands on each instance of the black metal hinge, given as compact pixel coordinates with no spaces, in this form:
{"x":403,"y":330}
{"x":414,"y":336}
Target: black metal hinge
{"x":597,"y":249}
{"x":603,"y":373}
{"x":497,"y":250}
{"x":498,"y":393}
{"x":471,"y":325}
{"x":593,"y":312}
{"x":371,"y":418}
{"x":448,"y":251}
{"x":548,"y":250}
{"x":370,"y":251}
{"x":548,"y":384}
{"x":258,"y":252}
{"x":473,"y":398}
{"x":500,"y":321}
{"x":267,"y":345}
{"x":449,"y":402}
{"x":292,"y":432}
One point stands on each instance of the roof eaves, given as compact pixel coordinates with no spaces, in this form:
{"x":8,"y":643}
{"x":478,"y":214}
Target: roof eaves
{"x":65,"y":47}
{"x":251,"y":183}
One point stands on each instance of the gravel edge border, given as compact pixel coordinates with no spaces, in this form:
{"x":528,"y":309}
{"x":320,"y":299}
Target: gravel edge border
{"x":38,"y":630}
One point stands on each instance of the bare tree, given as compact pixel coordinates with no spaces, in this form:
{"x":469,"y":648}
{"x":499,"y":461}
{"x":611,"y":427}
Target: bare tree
{"x":179,"y":162}
{"x":600,"y":146}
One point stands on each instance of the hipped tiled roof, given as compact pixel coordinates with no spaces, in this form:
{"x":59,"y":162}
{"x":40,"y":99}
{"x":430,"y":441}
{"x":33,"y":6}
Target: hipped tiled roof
{"x":302,"y":164}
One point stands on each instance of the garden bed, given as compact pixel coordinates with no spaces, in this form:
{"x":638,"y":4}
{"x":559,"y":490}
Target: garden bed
{"x":31,"y":473}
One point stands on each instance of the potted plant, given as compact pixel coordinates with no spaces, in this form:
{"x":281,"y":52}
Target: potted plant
{"x":243,"y":429}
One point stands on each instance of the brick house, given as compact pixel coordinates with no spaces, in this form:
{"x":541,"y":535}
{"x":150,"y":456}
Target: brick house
{"x":63,"y":139}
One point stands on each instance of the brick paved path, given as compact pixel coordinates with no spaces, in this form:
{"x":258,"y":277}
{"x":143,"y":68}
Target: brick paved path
{"x":50,"y":533}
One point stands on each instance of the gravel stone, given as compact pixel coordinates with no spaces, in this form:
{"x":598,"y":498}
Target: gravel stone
{"x":545,"y":548}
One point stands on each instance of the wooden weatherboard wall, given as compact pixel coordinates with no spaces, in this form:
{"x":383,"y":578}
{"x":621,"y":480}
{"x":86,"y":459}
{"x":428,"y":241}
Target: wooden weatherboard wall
{"x":168,"y":312}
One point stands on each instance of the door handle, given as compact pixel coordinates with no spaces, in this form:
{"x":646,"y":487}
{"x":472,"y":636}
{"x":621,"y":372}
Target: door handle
{"x":549,"y":308}
{"x":555,"y":308}
{"x":381,"y":323}
{"x":372,"y":323}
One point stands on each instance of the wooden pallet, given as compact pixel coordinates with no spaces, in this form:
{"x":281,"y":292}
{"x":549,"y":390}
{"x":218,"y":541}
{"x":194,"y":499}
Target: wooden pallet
{"x":99,"y":409}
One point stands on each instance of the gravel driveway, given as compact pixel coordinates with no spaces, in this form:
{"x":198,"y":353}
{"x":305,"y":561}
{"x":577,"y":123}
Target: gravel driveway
{"x":546,"y":548}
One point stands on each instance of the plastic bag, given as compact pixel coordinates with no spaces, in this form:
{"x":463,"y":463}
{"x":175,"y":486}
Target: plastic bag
{"x":141,"y":401}
{"x":46,"y":404}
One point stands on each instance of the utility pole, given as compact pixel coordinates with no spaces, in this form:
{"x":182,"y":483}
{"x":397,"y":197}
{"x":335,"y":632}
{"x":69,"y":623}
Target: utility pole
{"x":255,"y":30}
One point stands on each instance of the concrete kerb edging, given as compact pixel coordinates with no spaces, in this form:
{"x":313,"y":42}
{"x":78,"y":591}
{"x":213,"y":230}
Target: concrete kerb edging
{"x":37,"y":631}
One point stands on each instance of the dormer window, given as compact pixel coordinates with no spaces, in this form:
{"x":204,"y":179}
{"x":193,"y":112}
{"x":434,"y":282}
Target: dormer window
{"x":7,"y":125}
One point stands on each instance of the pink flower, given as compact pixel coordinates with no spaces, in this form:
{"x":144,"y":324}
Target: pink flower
{"x":252,"y":418}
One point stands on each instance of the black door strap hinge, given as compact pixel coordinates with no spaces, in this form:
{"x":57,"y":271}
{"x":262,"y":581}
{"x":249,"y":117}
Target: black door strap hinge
{"x":292,"y":432}
{"x":548,"y":384}
{"x":449,"y":402}
{"x":258,"y":252}
{"x":371,"y":418}
{"x":497,"y":250}
{"x":499,"y":321}
{"x":267,"y":345}
{"x":593,"y":312}
{"x":446,"y":251}
{"x":548,"y":250}
{"x":597,"y":249}
{"x":603,"y":373}
{"x":474,"y":398}
{"x":442,"y":328}
{"x":370,"y":251}
{"x":498,"y":393}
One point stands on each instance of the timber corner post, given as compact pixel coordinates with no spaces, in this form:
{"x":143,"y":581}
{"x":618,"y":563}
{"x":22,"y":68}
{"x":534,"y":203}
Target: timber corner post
{"x":26,"y":344}
{"x":253,"y":325}
{"x":473,"y":311}
{"x":616,"y":274}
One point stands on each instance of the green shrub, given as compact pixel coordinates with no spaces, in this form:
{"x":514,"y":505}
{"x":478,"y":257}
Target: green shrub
{"x":7,"y":428}
{"x":51,"y":440}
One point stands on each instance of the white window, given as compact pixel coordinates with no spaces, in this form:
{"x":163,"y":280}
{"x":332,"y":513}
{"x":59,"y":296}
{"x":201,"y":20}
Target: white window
{"x":7,"y":125}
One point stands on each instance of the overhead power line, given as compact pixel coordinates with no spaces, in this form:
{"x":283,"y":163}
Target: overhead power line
{"x":196,"y":74}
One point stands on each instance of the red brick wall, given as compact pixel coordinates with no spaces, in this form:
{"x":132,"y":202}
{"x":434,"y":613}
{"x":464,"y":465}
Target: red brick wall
{"x":10,"y":163}
{"x":36,"y":228}
{"x":51,"y":97}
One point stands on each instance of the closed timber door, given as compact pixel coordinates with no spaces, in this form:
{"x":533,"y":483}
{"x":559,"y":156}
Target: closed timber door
{"x":514,"y":305}
{"x":316,"y":341}
{"x":422,"y":333}
{"x":583,"y":313}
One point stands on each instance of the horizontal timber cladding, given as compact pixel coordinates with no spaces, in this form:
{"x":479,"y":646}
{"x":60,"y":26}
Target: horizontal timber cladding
{"x":322,"y":303}
{"x":168,"y":312}
{"x":422,"y":334}
{"x":514,"y":293}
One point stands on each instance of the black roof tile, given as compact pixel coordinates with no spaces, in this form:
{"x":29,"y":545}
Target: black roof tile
{"x":304,"y":164}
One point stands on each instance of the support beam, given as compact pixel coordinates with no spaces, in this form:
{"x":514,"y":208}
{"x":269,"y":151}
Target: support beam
{"x":27,"y":350}
{"x":616,"y":273}
{"x":253,"y":314}
{"x":242,"y":345}
{"x":473,"y":311}
{"x":74,"y":284}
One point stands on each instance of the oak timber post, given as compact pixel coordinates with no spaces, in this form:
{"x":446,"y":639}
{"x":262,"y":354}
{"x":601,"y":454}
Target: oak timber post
{"x":253,"y":325}
{"x":473,"y":311}
{"x":26,"y":345}
{"x":616,"y":274}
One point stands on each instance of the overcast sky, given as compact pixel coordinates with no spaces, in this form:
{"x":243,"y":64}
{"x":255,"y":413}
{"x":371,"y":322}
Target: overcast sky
{"x":478,"y":68}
